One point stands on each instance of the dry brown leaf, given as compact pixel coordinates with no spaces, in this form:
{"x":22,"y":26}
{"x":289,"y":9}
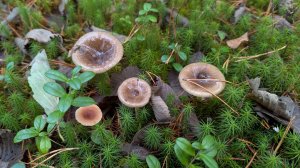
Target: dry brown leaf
{"x":235,"y":43}
{"x":139,"y":151}
{"x":41,"y":35}
{"x":160,"y":108}
{"x":10,"y":153}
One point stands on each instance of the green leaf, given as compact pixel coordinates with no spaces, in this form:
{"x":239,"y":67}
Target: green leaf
{"x":76,"y":70}
{"x":209,"y":161}
{"x":140,"y":37}
{"x":208,"y":144}
{"x":56,"y":75}
{"x":153,"y":10}
{"x":55,"y":116}
{"x":164,"y":58}
{"x":25,"y":134}
{"x":10,"y":66}
{"x":182,"y":56}
{"x":83,"y":101}
{"x":142,"y":12}
{"x":178,"y":67}
{"x":172,"y":46}
{"x":18,"y":165}
{"x":37,"y":80}
{"x":152,"y":162}
{"x":222,"y":35}
{"x":75,"y":83}
{"x":65,"y":103}
{"x":147,"y":6}
{"x":43,"y":144}
{"x":197,"y":145}
{"x":39,"y":123}
{"x":43,"y":134}
{"x":193,"y":166}
{"x":181,"y":156}
{"x":54,"y":89}
{"x":86,"y":76}
{"x":152,"y":18}
{"x":185,"y":146}
{"x":50,"y":127}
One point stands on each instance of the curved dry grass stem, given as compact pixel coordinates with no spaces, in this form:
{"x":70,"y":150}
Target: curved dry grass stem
{"x":284,"y":134}
{"x":54,"y":151}
{"x":213,"y":95}
{"x":258,"y":55}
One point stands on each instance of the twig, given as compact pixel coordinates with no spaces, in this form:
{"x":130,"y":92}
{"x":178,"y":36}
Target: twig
{"x":249,"y":164}
{"x":172,"y":52}
{"x":63,"y":150}
{"x":258,"y":55}
{"x":214,"y":95}
{"x":284,"y":135}
{"x":216,"y":80}
{"x":58,"y":150}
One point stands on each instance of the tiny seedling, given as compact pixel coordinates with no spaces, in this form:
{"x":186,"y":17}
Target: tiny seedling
{"x":187,"y":153}
{"x":170,"y":59}
{"x":144,"y":16}
{"x":67,"y":99}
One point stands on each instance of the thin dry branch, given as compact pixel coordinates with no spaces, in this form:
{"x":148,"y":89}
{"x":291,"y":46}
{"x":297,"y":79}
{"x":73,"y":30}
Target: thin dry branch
{"x":284,"y":135}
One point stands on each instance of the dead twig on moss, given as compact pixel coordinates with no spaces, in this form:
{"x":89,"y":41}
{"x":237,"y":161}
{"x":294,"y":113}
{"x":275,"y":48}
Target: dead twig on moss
{"x":249,"y":164}
{"x":284,"y":135}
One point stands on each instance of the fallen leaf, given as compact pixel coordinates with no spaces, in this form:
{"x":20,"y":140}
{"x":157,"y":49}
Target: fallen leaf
{"x":10,"y":153}
{"x":175,"y":84}
{"x":180,"y":20}
{"x":37,"y":79}
{"x":41,"y":35}
{"x":281,"y":22}
{"x":139,"y":151}
{"x":193,"y":123}
{"x":239,"y":12}
{"x":62,"y":5}
{"x":196,"y":57}
{"x":21,"y":43}
{"x":11,"y":16}
{"x":235,"y":43}
{"x":160,"y":109}
{"x":281,"y":109}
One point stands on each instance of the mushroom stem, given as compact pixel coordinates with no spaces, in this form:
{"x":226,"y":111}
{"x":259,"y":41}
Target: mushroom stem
{"x":213,"y":95}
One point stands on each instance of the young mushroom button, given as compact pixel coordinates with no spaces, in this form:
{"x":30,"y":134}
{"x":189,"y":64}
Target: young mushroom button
{"x":97,"y":52}
{"x":88,"y":115}
{"x":134,"y":92}
{"x":206,"y":75}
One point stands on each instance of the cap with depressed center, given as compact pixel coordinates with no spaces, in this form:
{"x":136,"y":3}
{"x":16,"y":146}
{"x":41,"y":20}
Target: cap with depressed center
{"x":97,"y":52}
{"x":214,"y":83}
{"x":88,"y":115}
{"x":134,"y":92}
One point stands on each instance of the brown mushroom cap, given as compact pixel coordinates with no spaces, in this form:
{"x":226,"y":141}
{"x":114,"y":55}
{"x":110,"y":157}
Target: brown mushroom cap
{"x":134,"y":92}
{"x":202,"y":70}
{"x":97,"y":52}
{"x":88,"y":115}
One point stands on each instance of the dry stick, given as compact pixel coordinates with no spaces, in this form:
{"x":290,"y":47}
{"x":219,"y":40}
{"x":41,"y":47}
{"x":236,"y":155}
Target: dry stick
{"x":259,"y":55}
{"x":63,"y":150}
{"x":213,"y":95}
{"x":171,"y":54}
{"x":284,"y":135}
{"x":150,"y":76}
{"x":249,"y":164}
{"x":38,"y":164}
{"x":212,"y":79}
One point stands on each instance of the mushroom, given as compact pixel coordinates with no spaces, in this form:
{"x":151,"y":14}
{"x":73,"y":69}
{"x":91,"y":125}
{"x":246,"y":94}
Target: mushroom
{"x":97,"y":52}
{"x":88,"y":115}
{"x":206,"y":75}
{"x":134,"y":92}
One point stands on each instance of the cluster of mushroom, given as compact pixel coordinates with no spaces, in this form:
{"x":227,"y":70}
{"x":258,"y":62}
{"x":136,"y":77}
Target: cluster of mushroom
{"x":100,"y":51}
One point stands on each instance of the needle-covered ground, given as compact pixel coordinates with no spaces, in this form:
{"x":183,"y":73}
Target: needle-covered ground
{"x":244,"y":39}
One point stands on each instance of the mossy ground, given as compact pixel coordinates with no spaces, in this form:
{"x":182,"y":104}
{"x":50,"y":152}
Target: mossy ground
{"x":236,"y":135}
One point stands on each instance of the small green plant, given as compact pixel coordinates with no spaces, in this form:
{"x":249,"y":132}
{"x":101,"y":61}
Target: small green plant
{"x":6,"y":77}
{"x":188,"y":153}
{"x":170,"y":59}
{"x":144,"y":16}
{"x":42,"y":139}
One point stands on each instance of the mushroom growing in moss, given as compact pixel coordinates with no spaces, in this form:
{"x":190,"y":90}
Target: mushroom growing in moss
{"x":134,"y":92}
{"x":88,"y":115}
{"x":97,"y":52}
{"x":206,"y":75}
